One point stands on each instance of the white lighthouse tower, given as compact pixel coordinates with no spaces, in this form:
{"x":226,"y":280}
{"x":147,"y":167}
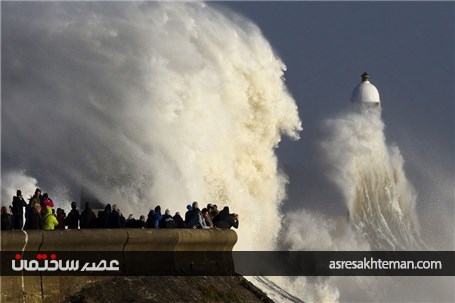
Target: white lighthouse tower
{"x":366,"y":94}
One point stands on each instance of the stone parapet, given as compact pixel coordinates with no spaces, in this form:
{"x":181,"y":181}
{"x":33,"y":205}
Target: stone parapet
{"x":173,"y":243}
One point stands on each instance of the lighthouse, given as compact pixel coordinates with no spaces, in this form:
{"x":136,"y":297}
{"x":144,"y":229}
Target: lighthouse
{"x":366,"y":94}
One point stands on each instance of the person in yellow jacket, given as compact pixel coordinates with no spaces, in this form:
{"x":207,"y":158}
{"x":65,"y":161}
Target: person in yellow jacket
{"x":49,"y":220}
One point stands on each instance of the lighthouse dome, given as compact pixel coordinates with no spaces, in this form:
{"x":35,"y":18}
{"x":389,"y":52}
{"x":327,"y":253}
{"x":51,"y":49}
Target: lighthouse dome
{"x":365,"y":92}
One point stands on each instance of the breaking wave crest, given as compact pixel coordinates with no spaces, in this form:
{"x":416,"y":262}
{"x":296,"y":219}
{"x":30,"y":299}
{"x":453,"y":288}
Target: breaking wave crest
{"x":146,"y":104}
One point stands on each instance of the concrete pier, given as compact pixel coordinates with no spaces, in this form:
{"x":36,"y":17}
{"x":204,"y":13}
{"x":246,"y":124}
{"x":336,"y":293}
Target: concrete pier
{"x":45,"y":288}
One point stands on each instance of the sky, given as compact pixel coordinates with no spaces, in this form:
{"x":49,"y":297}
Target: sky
{"x":406,"y":47}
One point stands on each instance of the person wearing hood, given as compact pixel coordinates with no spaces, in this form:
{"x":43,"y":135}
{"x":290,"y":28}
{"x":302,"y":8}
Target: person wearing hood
{"x":72,"y":220}
{"x":157,"y":217}
{"x":49,"y":220}
{"x":179,"y":220}
{"x":225,"y":220}
{"x":188,"y":214}
{"x":192,"y":215}
{"x":87,"y":219}
{"x":46,"y":202}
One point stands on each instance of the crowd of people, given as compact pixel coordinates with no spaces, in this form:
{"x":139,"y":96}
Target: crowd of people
{"x":40,"y":214}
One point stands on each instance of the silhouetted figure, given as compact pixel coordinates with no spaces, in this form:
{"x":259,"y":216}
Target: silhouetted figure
{"x":130,"y":217}
{"x":103,"y":216}
{"x":35,"y":219}
{"x":72,"y":220}
{"x":179,"y":220}
{"x":18,"y":210}
{"x":133,"y":223}
{"x":49,"y":220}
{"x":225,"y":220}
{"x":167,"y":221}
{"x":61,"y":216}
{"x":87,"y":218}
{"x":188,"y":214}
{"x":150,"y":218}
{"x":7,"y":219}
{"x":142,"y":222}
{"x":114,"y":219}
{"x":98,"y":223}
{"x":122,"y":219}
{"x":194,"y":210}
{"x":130,"y":222}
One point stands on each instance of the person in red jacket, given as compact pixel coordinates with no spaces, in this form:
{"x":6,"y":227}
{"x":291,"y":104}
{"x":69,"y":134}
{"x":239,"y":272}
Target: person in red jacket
{"x":46,"y":202}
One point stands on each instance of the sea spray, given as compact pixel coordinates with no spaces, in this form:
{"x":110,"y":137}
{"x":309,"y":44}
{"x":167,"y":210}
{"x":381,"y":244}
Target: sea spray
{"x":12,"y":181}
{"x":370,"y":175}
{"x":146,"y":104}
{"x":311,"y":231}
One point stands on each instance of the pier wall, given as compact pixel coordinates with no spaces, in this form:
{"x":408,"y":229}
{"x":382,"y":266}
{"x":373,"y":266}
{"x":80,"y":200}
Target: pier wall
{"x":46,"y":288}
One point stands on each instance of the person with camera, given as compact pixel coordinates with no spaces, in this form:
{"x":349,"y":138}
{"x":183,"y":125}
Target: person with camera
{"x":226,"y":220}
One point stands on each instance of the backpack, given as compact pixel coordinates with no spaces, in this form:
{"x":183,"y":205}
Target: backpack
{"x":169,"y":223}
